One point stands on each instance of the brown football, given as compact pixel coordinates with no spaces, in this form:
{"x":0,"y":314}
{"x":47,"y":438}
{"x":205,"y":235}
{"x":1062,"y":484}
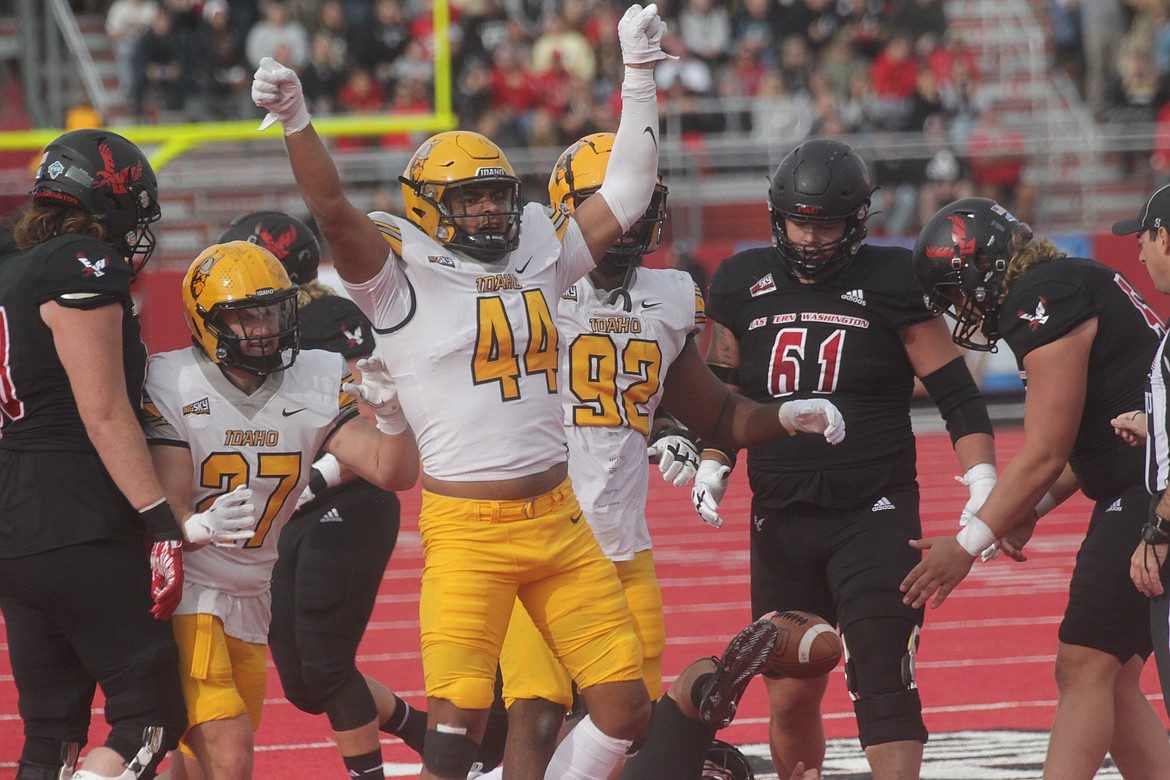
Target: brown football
{"x":807,"y":646}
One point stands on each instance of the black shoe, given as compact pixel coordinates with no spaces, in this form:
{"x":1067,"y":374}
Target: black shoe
{"x":744,"y":658}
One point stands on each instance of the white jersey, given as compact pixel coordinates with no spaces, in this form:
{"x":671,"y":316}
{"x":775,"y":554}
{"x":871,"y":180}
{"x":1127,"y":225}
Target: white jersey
{"x":614,"y":363}
{"x":266,"y":440}
{"x":473,"y":346}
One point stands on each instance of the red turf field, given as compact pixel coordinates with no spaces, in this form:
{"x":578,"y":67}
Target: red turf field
{"x":985,"y":662}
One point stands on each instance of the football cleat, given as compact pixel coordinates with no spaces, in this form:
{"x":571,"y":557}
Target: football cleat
{"x":745,"y":657}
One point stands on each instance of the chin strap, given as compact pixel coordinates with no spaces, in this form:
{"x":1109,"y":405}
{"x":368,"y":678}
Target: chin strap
{"x":622,"y":291}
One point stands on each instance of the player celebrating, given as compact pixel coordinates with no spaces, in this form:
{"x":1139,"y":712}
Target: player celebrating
{"x":1085,"y":340}
{"x":820,"y":314}
{"x":77,"y":490}
{"x":462,"y":298}
{"x":626,"y":328}
{"x":236,"y":420}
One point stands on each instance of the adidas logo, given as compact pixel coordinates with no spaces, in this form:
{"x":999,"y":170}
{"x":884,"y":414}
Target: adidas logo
{"x":882,"y":504}
{"x":855,"y":296}
{"x":1115,"y":506}
{"x":332,"y":516}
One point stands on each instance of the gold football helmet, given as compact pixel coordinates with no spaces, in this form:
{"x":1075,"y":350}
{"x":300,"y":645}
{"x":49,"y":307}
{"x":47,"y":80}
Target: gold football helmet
{"x":241,"y":308}
{"x":580,"y":172}
{"x":452,"y":173}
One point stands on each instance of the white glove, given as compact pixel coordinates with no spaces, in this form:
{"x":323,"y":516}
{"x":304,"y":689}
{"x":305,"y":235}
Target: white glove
{"x":379,"y":391}
{"x":229,"y":519}
{"x":278,"y":89}
{"x":979,"y":479}
{"x":640,"y":32}
{"x":813,"y":415}
{"x":677,"y":456}
{"x":710,"y":485}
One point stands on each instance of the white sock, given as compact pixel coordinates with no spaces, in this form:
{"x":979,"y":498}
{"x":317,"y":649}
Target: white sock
{"x":586,"y":754}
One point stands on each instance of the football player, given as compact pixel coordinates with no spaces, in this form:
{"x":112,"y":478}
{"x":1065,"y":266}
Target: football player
{"x":822,"y":314}
{"x":235,"y":420}
{"x":77,"y":491}
{"x":342,"y":522}
{"x":1085,"y":340}
{"x":625,"y":328}
{"x":463,"y":300}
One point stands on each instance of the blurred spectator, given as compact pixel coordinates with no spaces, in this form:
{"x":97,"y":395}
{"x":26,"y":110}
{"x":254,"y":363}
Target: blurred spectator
{"x":705,"y":29}
{"x":543,"y":129}
{"x":864,"y":24}
{"x":858,"y":111}
{"x":1103,"y":24}
{"x":1064,"y":33}
{"x":359,"y":95}
{"x":1133,"y":97}
{"x":411,"y":96}
{"x":796,"y":62}
{"x":377,"y":45}
{"x":947,"y":177}
{"x":779,"y":116}
{"x":514,"y":91}
{"x":680,"y":257}
{"x":894,"y":210}
{"x":894,"y":75}
{"x":562,"y":46}
{"x":686,"y":82}
{"x":277,"y":35}
{"x":601,"y":32}
{"x":472,"y":92}
{"x":125,"y":22}
{"x":1160,"y":22}
{"x":915,"y":18}
{"x":220,"y":68}
{"x":415,"y":64}
{"x":324,"y":76}
{"x":925,"y":102}
{"x":997,"y":156}
{"x":485,"y":26}
{"x":823,"y":23}
{"x":840,"y":62}
{"x":758,"y":21}
{"x":159,"y":73}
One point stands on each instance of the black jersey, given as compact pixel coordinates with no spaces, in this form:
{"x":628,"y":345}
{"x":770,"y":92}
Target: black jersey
{"x":837,"y":339}
{"x":54,"y":489}
{"x":1050,"y":300}
{"x":38,"y":410}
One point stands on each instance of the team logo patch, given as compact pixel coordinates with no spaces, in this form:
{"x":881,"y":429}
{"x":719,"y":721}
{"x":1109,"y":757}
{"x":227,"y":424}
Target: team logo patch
{"x":116,"y":180}
{"x":55,"y":169}
{"x":570,"y":294}
{"x":202,"y":406}
{"x":443,"y":260}
{"x":1039,"y":318}
{"x":93,"y":268}
{"x":763,"y":287}
{"x":496,"y":171}
{"x":355,"y":336}
{"x":277,"y":245}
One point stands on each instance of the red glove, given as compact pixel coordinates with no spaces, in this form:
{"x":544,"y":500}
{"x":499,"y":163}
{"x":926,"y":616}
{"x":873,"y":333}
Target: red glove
{"x":166,"y":577}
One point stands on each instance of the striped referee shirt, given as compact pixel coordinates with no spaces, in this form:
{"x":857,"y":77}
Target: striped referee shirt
{"x":1157,"y":416}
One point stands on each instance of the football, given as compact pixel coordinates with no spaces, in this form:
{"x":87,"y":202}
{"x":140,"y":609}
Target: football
{"x":807,"y":646}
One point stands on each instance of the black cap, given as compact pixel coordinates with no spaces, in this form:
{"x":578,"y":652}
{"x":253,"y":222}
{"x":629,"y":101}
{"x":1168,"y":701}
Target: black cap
{"x":1154,"y":214}
{"x":336,"y":324}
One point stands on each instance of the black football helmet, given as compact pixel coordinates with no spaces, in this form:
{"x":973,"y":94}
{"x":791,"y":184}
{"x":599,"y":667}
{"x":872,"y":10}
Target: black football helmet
{"x":725,"y":762}
{"x":822,"y":180}
{"x":960,"y":259}
{"x":105,"y":175}
{"x":291,"y":240}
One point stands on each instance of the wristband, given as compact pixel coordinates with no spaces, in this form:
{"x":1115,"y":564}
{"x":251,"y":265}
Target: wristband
{"x":160,"y":521}
{"x":1046,"y":505}
{"x":728,"y":453}
{"x":975,"y":537}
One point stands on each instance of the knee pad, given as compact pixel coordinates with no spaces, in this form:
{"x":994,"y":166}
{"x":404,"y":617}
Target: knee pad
{"x":879,"y":656}
{"x":351,"y":704}
{"x":891,"y":717}
{"x":450,"y":755}
{"x":47,"y":753}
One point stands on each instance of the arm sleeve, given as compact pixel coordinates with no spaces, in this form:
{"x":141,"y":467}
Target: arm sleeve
{"x":633,"y":163}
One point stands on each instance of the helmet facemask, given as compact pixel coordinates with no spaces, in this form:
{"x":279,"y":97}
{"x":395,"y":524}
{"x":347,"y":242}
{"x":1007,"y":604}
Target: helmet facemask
{"x":818,"y":262}
{"x":481,"y":217}
{"x":258,"y":334}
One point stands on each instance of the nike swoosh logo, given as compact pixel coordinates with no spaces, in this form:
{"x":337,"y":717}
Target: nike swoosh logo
{"x":577,"y":518}
{"x":287,"y":413}
{"x":524,"y":267}
{"x":650,"y":304}
{"x":653,"y":137}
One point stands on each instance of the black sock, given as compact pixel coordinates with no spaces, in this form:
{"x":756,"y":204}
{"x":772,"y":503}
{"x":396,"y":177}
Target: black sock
{"x":367,"y":766}
{"x":408,"y":723}
{"x":699,"y":688}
